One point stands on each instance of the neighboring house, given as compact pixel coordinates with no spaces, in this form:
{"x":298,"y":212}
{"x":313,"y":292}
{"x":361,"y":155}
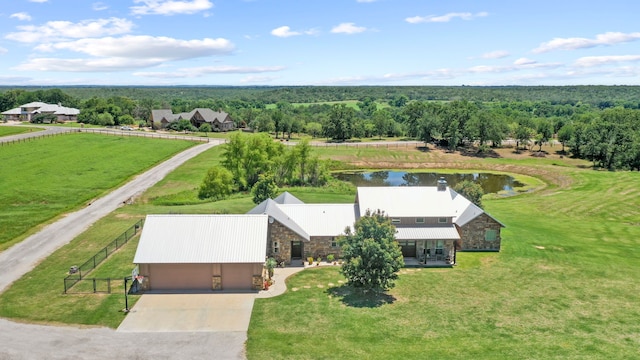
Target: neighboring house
{"x":219,"y":120}
{"x":28,"y":111}
{"x":203,"y":251}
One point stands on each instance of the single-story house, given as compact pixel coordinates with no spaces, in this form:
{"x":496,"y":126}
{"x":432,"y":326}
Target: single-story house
{"x":28,"y":111}
{"x":202,"y":252}
{"x":227,"y":252}
{"x":432,"y":223}
{"x":219,"y":120}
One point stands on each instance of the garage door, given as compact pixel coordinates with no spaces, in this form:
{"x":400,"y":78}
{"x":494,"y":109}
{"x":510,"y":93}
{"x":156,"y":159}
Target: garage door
{"x":180,"y":276}
{"x":237,"y":276}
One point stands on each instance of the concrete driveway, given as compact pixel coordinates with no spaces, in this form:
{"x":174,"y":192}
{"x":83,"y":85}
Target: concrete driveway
{"x":216,"y":312}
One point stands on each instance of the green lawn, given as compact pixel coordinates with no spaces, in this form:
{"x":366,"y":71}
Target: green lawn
{"x":42,"y":179}
{"x":14,"y":130}
{"x":563,"y":286}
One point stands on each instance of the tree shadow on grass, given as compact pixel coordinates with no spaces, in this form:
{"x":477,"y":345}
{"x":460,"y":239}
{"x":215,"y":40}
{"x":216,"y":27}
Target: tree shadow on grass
{"x":353,"y":297}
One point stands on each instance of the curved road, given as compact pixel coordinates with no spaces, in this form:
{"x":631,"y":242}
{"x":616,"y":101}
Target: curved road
{"x":27,"y":341}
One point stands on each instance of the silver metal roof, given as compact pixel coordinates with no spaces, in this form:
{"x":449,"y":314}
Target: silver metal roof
{"x":287,"y":198}
{"x":272,"y":208}
{"x":406,"y":201}
{"x":322,"y":219}
{"x":427,"y":233}
{"x":203,"y":239}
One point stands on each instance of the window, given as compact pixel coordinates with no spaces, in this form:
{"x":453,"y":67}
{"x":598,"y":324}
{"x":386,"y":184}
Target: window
{"x":439,"y":247}
{"x":442,"y":220}
{"x":490,"y":235}
{"x":334,"y":243}
{"x":395,"y":220}
{"x":419,"y":220}
{"x":276,"y":247}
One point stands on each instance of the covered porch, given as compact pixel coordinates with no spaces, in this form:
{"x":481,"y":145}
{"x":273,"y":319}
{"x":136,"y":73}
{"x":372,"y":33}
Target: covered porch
{"x":428,"y":246}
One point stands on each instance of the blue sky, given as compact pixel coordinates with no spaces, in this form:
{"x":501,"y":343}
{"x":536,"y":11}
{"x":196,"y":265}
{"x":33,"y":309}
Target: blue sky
{"x":319,"y":42}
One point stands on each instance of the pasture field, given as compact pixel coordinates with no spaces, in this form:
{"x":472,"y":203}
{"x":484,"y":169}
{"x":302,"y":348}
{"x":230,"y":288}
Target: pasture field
{"x":45,"y":178}
{"x":14,"y":130}
{"x":563,"y":285}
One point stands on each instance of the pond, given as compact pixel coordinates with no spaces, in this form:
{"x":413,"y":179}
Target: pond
{"x":491,"y":183}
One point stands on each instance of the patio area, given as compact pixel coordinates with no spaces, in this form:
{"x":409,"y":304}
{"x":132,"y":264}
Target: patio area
{"x":411,"y":262}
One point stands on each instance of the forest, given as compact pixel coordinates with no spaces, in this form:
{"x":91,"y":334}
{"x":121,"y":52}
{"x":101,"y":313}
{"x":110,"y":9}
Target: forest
{"x":598,"y":123}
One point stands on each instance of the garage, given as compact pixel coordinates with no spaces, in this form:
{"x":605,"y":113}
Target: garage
{"x":236,"y":276}
{"x":202,"y":252}
{"x":180,"y":276}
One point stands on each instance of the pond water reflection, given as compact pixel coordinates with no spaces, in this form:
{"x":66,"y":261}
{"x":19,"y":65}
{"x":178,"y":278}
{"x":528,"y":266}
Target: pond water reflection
{"x":491,"y":183}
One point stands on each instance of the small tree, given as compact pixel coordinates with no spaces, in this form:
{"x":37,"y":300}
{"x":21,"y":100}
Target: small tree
{"x":264,"y":189}
{"x":217,"y":184}
{"x":371,"y":254}
{"x":471,"y":190}
{"x":205,"y":128}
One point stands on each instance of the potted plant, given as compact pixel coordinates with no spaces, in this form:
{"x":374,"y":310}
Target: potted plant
{"x":318,"y":261}
{"x":270,"y":264}
{"x":331,"y":258}
{"x":310,"y":260}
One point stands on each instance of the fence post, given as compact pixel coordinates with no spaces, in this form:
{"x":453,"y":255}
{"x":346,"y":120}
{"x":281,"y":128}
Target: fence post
{"x":94,"y":285}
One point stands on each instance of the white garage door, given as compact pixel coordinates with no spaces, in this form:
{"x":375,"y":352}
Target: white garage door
{"x":237,"y":276}
{"x":181,"y":276}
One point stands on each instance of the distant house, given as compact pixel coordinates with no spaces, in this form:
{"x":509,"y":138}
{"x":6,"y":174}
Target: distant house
{"x":219,"y":120}
{"x":226,"y":252}
{"x":28,"y":111}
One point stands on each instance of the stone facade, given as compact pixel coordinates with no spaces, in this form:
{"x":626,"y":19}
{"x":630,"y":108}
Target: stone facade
{"x":321,"y":246}
{"x":216,"y":282}
{"x":472,"y":234}
{"x":257,"y":282}
{"x":283,"y":236}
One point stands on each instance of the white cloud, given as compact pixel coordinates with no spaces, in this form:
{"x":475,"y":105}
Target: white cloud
{"x":170,"y":7}
{"x":498,"y":54}
{"x":3,"y":51}
{"x":445,"y":18}
{"x":524,"y":61}
{"x":99,"y":6}
{"x":206,"y":70}
{"x":606,"y":39}
{"x":86,"y":65}
{"x":590,"y":61}
{"x":21,"y":16}
{"x":285,"y":31}
{"x":252,"y":79}
{"x":348,"y":28}
{"x":62,"y":30}
{"x":144,"y":46}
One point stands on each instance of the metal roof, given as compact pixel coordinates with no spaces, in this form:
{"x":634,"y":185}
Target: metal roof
{"x":406,"y":201}
{"x":271,"y":208}
{"x":203,"y":239}
{"x":322,"y":219}
{"x":427,"y":233}
{"x":287,"y":198}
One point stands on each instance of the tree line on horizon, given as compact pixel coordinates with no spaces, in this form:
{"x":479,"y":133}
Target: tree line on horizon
{"x":601,"y":129}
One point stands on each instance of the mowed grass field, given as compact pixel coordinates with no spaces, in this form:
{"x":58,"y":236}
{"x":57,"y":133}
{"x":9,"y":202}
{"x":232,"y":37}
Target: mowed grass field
{"x":14,"y":130}
{"x":564,"y":285}
{"x":44,"y":178}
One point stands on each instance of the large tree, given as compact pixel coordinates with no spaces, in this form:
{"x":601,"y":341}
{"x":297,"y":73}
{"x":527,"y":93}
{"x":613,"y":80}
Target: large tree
{"x":471,"y":190}
{"x":372,"y":255}
{"x":217,"y":184}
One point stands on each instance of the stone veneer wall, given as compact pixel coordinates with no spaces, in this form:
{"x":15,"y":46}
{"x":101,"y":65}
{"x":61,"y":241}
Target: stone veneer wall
{"x":320,"y":246}
{"x":284,"y":236}
{"x":258,"y":282}
{"x":472,"y":234}
{"x":216,"y":282}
